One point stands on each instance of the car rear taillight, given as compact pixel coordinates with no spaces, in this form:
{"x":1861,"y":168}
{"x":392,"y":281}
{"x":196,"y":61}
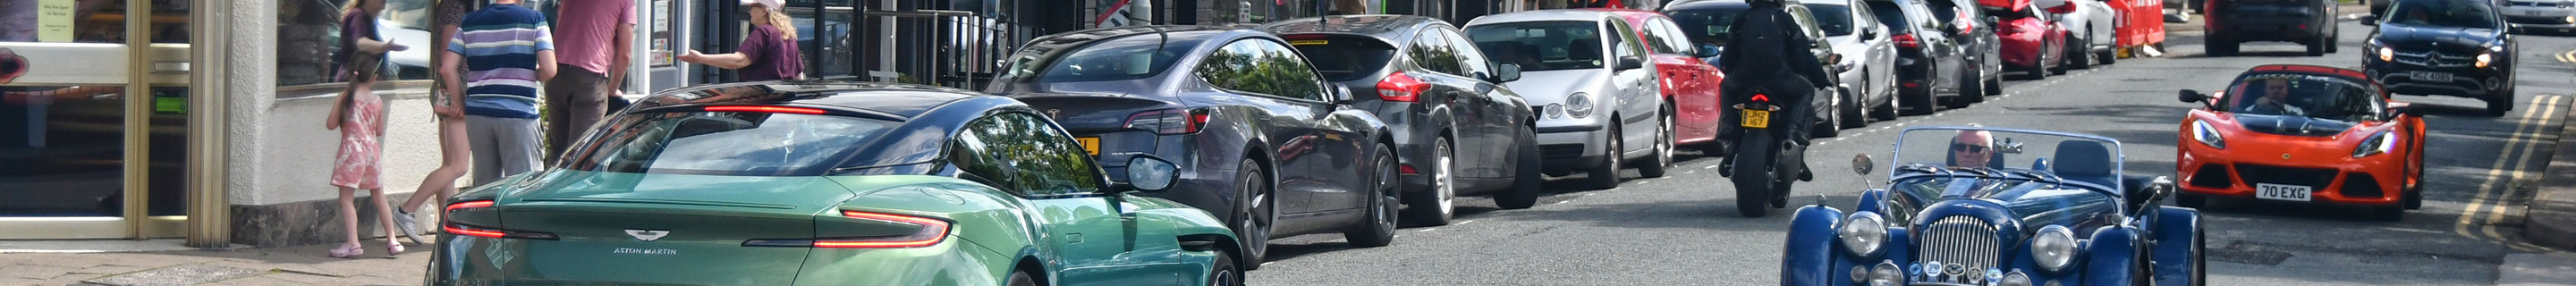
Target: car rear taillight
{"x":1907,"y":41}
{"x":451,"y":226}
{"x":763,"y":109}
{"x":925,"y":232}
{"x":1169,"y":121}
{"x":1400,"y":87}
{"x":930,"y":233}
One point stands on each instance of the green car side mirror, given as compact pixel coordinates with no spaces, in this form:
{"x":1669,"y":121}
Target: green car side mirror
{"x":1146,"y":172}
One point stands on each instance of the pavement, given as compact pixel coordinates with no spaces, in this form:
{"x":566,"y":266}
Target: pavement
{"x":152,"y":262}
{"x":2551,"y":218}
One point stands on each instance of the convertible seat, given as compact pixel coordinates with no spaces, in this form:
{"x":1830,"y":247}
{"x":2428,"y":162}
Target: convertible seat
{"x":2085,"y":161}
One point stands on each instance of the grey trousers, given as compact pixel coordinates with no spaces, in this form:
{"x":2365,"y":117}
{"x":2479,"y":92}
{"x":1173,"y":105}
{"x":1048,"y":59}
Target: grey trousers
{"x":502,"y":146}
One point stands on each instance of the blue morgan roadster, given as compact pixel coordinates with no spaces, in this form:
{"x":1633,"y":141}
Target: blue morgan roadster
{"x":1999,"y":207}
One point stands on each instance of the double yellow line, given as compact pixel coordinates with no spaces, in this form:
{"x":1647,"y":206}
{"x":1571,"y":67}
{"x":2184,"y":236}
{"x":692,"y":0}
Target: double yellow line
{"x":2486,"y":210}
{"x":2567,"y":57}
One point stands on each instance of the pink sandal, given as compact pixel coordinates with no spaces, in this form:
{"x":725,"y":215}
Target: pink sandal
{"x":392,"y":248}
{"x":347,"y":251}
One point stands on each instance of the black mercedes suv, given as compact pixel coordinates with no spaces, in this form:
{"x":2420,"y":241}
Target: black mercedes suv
{"x":2444,"y":47}
{"x":2307,"y":22}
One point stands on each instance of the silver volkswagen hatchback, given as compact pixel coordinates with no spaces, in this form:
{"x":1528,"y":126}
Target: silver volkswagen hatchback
{"x":1585,"y":73}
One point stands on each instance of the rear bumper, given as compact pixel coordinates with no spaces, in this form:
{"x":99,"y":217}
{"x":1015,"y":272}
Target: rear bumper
{"x":2540,"y":17}
{"x":2268,"y":23}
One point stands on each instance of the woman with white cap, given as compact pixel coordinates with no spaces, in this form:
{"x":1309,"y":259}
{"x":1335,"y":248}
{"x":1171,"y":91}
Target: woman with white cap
{"x":769,"y":53}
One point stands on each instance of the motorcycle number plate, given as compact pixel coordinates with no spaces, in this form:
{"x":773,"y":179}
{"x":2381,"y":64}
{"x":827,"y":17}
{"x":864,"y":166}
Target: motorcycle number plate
{"x":2282,"y":192}
{"x":1757,"y":118}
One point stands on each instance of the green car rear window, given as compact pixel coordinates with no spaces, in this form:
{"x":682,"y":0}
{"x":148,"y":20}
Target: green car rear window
{"x":725,"y":143}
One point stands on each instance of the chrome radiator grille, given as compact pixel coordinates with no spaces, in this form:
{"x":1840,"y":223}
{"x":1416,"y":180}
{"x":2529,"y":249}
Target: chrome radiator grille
{"x":1964,"y":245}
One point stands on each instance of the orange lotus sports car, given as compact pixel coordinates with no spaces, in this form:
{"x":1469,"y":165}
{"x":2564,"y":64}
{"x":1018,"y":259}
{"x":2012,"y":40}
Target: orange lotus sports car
{"x":2303,"y":133}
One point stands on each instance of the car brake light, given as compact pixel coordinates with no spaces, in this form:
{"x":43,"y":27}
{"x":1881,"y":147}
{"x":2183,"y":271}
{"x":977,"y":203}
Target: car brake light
{"x":1400,"y":87}
{"x":1407,"y":169}
{"x":765,"y":109}
{"x":1906,"y":41}
{"x":930,"y":233}
{"x":1169,"y":121}
{"x":452,"y":227}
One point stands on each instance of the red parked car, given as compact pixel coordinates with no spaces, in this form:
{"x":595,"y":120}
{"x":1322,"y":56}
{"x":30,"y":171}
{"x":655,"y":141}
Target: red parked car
{"x":2032,"y":41}
{"x":1689,"y":85}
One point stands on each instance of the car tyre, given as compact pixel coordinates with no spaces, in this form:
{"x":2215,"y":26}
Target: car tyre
{"x":1852,"y":114}
{"x":1254,"y":223}
{"x":2499,"y":104}
{"x":1021,"y":278}
{"x":1662,"y":161}
{"x":1606,"y":176}
{"x":2199,"y":256}
{"x":2078,"y":53}
{"x":1992,"y":86}
{"x":1440,"y":204}
{"x":1832,"y":124}
{"x":1224,"y":272}
{"x":1921,"y":102}
{"x":2107,"y":56}
{"x":2220,"y":46}
{"x":1379,"y":230}
{"x":2317,"y":47}
{"x":1886,"y":110}
{"x":1525,"y":184}
{"x":2038,"y":67}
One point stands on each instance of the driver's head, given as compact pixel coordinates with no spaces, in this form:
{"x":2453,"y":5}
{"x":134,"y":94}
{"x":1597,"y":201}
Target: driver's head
{"x":2276,"y":89}
{"x":1972,"y":148}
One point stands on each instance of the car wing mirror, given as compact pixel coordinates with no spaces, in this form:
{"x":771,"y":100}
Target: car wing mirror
{"x":1631,"y":62}
{"x":2149,"y":195}
{"x":1146,"y":172}
{"x":1707,"y":50}
{"x":1507,"y":72}
{"x":2192,"y":96}
{"x":1337,"y":93}
{"x":2368,"y":18}
{"x":1861,"y":164}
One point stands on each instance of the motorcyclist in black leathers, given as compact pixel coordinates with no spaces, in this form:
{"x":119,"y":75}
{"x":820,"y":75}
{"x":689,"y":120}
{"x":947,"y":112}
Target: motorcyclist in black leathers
{"x":1766,"y":50}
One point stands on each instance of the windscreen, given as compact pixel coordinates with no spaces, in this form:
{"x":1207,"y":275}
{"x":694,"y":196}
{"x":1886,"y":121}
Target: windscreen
{"x":1836,"y":20}
{"x":1123,"y":58}
{"x":1707,"y":26}
{"x":1552,"y":45}
{"x":2444,"y":13}
{"x":725,"y":143}
{"x":1889,"y":15}
{"x":1342,"y":58}
{"x":2308,"y":95}
{"x":1942,"y":10}
{"x":2072,"y":157}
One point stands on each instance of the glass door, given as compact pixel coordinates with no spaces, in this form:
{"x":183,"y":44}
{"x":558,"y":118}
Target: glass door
{"x":83,"y":153}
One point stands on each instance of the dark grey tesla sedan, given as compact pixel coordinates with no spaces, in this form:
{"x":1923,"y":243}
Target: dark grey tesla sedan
{"x":1262,"y":140}
{"x":1458,"y":129}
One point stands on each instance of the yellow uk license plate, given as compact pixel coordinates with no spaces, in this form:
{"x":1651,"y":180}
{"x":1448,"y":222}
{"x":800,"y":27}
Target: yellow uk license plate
{"x":1757,"y":118}
{"x":1089,"y":144}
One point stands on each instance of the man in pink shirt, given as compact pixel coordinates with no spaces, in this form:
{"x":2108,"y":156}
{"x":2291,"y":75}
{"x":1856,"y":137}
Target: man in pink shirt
{"x":593,"y":39}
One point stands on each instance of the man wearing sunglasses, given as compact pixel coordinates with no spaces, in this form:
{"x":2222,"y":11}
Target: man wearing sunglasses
{"x":1972,"y":148}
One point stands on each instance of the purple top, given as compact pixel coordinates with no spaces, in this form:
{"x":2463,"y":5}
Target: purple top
{"x":357,"y":25}
{"x":773,"y":57}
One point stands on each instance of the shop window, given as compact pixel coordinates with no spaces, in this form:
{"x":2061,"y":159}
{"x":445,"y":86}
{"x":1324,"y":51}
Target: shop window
{"x":309,"y":33}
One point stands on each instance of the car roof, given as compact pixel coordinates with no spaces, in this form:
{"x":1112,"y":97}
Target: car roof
{"x":891,"y":100}
{"x":1382,"y":27}
{"x":1542,"y":15}
{"x":1718,"y":4}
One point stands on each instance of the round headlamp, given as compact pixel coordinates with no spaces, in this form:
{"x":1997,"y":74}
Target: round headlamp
{"x":2053,"y":248}
{"x":2014,"y":279}
{"x":1863,"y":233}
{"x":1554,"y":110}
{"x":1578,"y":105}
{"x":1884,"y":274}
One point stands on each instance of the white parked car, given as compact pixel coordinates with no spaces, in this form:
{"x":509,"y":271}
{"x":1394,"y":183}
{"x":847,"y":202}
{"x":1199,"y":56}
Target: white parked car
{"x":2092,"y":30}
{"x":1868,"y":67}
{"x":2531,"y":15}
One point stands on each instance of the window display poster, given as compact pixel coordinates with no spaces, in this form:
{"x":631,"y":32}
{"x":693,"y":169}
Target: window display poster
{"x":662,"y":29}
{"x":54,"y":20}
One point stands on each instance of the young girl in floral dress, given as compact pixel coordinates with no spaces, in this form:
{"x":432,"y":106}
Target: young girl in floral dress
{"x":359,"y":115}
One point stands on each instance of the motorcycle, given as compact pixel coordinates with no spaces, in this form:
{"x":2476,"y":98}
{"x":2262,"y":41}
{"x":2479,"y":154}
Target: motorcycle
{"x":1758,"y":190}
